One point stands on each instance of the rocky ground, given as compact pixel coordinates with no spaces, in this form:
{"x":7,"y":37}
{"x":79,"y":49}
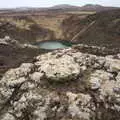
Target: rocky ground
{"x":62,"y":85}
{"x":79,"y":83}
{"x":13,"y":53}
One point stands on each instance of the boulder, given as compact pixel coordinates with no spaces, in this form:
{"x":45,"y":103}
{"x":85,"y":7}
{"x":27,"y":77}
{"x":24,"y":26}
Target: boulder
{"x":8,"y":116}
{"x":99,"y":77}
{"x":8,"y":41}
{"x":58,"y":70}
{"x":112,"y":65}
{"x":36,"y":76}
{"x":118,"y":77}
{"x":79,"y":106}
{"x":18,"y":75}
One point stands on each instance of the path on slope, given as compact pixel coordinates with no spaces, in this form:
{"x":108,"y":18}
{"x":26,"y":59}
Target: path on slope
{"x":83,"y":30}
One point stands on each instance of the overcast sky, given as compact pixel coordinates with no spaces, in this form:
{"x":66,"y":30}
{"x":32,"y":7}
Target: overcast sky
{"x":48,"y":3}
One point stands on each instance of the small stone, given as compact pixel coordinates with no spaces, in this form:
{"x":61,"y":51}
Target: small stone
{"x":116,"y":90}
{"x":118,"y":77}
{"x":36,"y":76}
{"x":8,"y":116}
{"x":98,"y":77}
{"x":112,"y":65}
{"x":95,"y":83}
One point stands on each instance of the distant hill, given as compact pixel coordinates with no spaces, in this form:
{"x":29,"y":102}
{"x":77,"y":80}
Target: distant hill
{"x":87,"y":7}
{"x":96,"y":7}
{"x":61,"y":7}
{"x":92,"y":7}
{"x":64,"y":6}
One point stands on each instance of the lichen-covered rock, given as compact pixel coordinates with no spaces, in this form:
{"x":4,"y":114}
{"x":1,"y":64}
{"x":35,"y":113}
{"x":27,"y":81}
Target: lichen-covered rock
{"x":83,"y":87}
{"x":36,"y":76}
{"x":80,"y":106}
{"x":118,"y":77}
{"x":58,"y":69}
{"x":8,"y":116}
{"x":112,"y":65}
{"x":99,"y":77}
{"x":13,"y":78}
{"x":8,"y":41}
{"x":18,"y":75}
{"x":15,"y":43}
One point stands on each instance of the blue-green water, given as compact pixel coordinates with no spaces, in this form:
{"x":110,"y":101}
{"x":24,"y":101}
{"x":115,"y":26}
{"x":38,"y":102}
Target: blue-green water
{"x":51,"y":45}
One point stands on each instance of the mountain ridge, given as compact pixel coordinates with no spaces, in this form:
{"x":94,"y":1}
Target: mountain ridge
{"x":86,"y":7}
